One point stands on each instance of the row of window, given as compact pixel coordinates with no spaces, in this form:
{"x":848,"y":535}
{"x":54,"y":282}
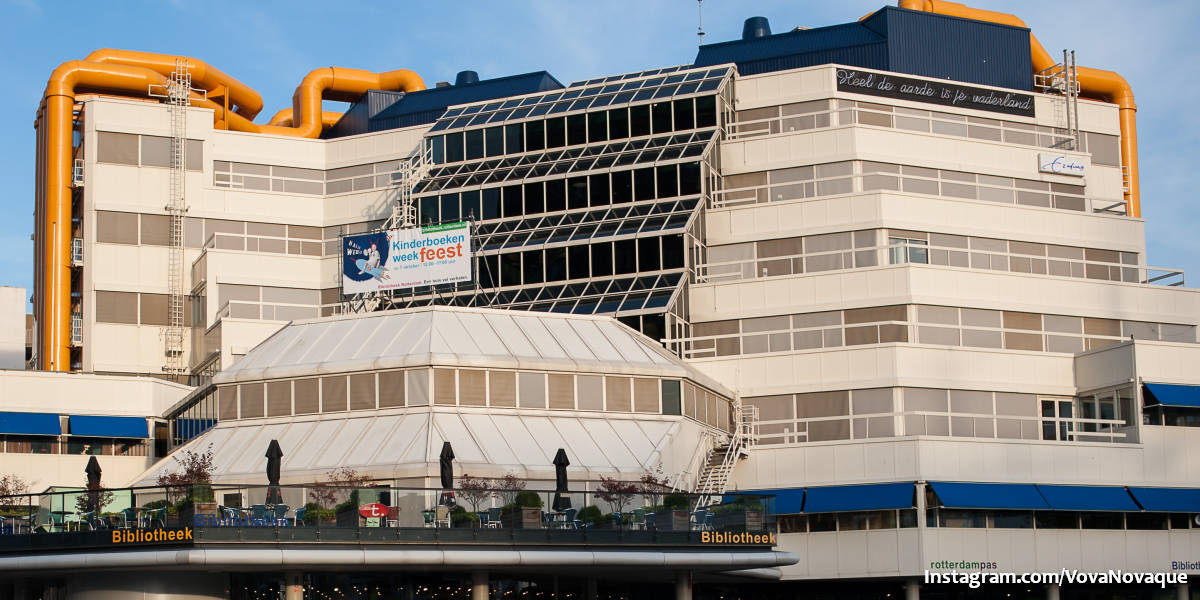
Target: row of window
{"x":145,"y":150}
{"x":17,"y":444}
{"x":850,"y":176}
{"x":556,"y":195}
{"x":472,"y":387}
{"x":154,"y":230}
{"x":574,"y":130}
{"x":990,"y":519}
{"x":582,"y":261}
{"x":135,"y":308}
{"x":636,"y":219}
{"x":815,"y":253}
{"x":925,"y":324}
{"x":572,"y":160}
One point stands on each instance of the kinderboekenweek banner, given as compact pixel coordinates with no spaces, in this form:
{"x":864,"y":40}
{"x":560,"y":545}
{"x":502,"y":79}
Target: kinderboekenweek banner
{"x":405,"y":258}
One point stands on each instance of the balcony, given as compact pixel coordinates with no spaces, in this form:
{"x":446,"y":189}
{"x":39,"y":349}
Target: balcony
{"x":77,"y":173}
{"x":77,"y":252}
{"x":76,"y":329}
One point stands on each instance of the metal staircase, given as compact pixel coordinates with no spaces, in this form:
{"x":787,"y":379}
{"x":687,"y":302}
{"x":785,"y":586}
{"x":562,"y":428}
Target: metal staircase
{"x":404,"y":214}
{"x":714,"y":479}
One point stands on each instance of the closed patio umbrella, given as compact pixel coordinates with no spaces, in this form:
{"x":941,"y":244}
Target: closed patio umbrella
{"x":93,"y":482}
{"x":446,"y":462}
{"x":274,"y":460}
{"x":561,"y":500}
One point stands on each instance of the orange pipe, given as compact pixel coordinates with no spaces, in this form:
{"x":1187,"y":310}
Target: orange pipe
{"x":345,"y":85}
{"x":245,"y":101}
{"x":55,"y":126}
{"x":283,"y":118}
{"x":1097,"y":84}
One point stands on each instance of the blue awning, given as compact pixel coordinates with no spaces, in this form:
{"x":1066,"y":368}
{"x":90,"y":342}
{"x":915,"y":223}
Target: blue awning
{"x":1168,"y":394}
{"x":113,"y":427}
{"x":1167,"y":499}
{"x":871,"y":496}
{"x":989,"y":495}
{"x":1087,"y":497}
{"x":22,"y":423}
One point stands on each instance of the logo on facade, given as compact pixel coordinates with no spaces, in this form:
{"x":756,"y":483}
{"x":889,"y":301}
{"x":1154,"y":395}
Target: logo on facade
{"x":1061,"y":164}
{"x":151,"y":536}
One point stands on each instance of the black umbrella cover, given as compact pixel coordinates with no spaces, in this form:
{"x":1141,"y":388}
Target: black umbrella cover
{"x":93,"y":473}
{"x":560,"y":470}
{"x":446,"y":461}
{"x":274,"y":460}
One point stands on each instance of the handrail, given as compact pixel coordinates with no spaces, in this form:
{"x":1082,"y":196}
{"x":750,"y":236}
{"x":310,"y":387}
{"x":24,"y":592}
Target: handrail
{"x":900,"y":254}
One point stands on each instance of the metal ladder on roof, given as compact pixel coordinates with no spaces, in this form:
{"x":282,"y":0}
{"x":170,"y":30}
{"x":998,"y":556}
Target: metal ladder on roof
{"x":714,"y":480}
{"x":1063,"y":79}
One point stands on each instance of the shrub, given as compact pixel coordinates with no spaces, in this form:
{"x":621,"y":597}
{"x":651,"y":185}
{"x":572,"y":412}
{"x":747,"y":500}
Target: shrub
{"x":460,"y":517}
{"x":616,"y":493}
{"x":589,"y":514}
{"x":675,"y":502}
{"x":528,"y":500}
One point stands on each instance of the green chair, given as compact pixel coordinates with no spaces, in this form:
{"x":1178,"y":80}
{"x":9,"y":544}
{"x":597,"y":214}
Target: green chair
{"x":127,"y":515}
{"x":639,"y":518}
{"x":429,"y":518}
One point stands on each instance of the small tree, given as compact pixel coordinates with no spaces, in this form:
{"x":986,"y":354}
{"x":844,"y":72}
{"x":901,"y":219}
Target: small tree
{"x":508,"y":487}
{"x":616,"y":493}
{"x":651,"y":486}
{"x":191,"y":468}
{"x":11,"y":484}
{"x":334,"y":491}
{"x":475,"y":490}
{"x":103,"y":497}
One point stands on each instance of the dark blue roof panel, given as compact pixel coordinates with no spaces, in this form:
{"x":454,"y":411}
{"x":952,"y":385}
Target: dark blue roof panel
{"x":114,"y":427}
{"x":1167,"y":499}
{"x":871,"y":496}
{"x":1087,"y":497}
{"x":22,"y":423}
{"x":989,"y":495}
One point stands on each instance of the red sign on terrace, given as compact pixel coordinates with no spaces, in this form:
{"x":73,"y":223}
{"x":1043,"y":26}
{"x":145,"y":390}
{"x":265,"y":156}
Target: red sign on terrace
{"x":374,"y":510}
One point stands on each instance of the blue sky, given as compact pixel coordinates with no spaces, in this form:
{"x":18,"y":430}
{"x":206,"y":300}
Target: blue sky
{"x":272,"y":45}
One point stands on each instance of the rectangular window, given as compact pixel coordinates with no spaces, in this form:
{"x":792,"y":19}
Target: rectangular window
{"x":445,"y":388}
{"x":535,"y":135}
{"x":153,"y":309}
{"x":685,"y":114}
{"x":625,"y":256}
{"x":622,"y":187}
{"x":618,"y":123}
{"x":279,"y":398}
{"x":706,"y":111}
{"x":227,"y":403}
{"x":474,"y":141}
{"x":576,"y":130}
{"x":648,"y":254}
{"x":493,"y":144}
{"x":532,"y":266}
{"x":602,"y":260}
{"x":591,"y":392}
{"x":597,"y":125}
{"x":578,"y":262}
{"x":660,"y":113}
{"x":362,"y":391}
{"x":416,"y":391}
{"x":577,"y":192}
{"x":643,"y":184}
{"x":514,"y":138}
{"x":391,"y":389}
{"x":556,"y":132}
{"x":502,"y":388}
{"x":556,"y":195}
{"x":307,"y":396}
{"x":561,"y":391}
{"x":639,"y":120}
{"x":117,"y":307}
{"x":598,"y":189}
{"x":645,"y":395}
{"x":251,"y":400}
{"x":156,"y":151}
{"x":491,"y":204}
{"x":513,"y":202}
{"x":534,"y":200}
{"x":532,"y":389}
{"x":556,"y":264}
{"x":333,"y":394}
{"x":117,"y":148}
{"x":617,"y":394}
{"x":116,"y":227}
{"x":670,"y":397}
{"x":472,"y":387}
{"x":666,"y":177}
{"x":454,"y":147}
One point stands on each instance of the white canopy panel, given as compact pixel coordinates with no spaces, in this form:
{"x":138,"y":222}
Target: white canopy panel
{"x":399,"y":443}
{"x":456,"y":336}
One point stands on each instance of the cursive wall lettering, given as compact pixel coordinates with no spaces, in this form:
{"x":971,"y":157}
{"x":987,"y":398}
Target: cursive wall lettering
{"x":946,"y":93}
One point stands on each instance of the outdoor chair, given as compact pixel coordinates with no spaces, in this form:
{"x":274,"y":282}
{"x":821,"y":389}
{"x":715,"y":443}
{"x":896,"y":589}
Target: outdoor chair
{"x":279,"y":514}
{"x":708,"y":521}
{"x":569,"y":521}
{"x":298,"y":518}
{"x":443,"y":516}
{"x":639,"y":518}
{"x":393,"y":516}
{"x":428,"y":516}
{"x":649,"y":524}
{"x":494,"y":518}
{"x":618,"y":520}
{"x":128,"y":515}
{"x":483,"y":518}
{"x":156,"y":514}
{"x":258,"y":512}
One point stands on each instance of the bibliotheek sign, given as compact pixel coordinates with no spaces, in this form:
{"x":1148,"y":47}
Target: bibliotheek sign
{"x":946,"y":93}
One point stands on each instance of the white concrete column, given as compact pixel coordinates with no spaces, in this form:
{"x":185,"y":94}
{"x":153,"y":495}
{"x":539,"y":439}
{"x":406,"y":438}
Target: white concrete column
{"x":912,"y":589}
{"x":294,"y":585}
{"x":1182,"y":592}
{"x":1052,"y":590}
{"x":479,"y":585}
{"x":683,"y":585}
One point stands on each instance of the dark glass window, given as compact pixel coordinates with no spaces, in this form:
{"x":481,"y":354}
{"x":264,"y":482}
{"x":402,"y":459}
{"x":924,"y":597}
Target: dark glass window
{"x":491,"y":203}
{"x":556,"y":195}
{"x":1056,"y":519}
{"x":597,"y":123}
{"x":689,"y":179}
{"x":577,"y":262}
{"x":622,"y":186}
{"x":454,"y":147}
{"x":706,"y":111}
{"x":685,"y":114}
{"x":618,"y":123}
{"x":514,"y":138}
{"x":672,"y":251}
{"x":822,"y":522}
{"x":428,"y":208}
{"x":488,"y":270}
{"x":1012,"y":519}
{"x":667,"y":186}
{"x":450,"y":207}
{"x":625,"y":256}
{"x":437,"y":147}
{"x":532,"y":266}
{"x":1179,"y":521}
{"x":648,"y":254}
{"x":556,"y":133}
{"x":512,"y":201}
{"x":535,"y":135}
{"x":639,"y":120}
{"x":598,"y":189}
{"x":661,"y":116}
{"x":556,"y":264}
{"x":1102,"y":520}
{"x":494,"y":141}
{"x":1147,"y":520}
{"x":470,"y":205}
{"x":510,"y":269}
{"x":534,"y":202}
{"x":670,"y":396}
{"x":643,"y":184}
{"x":474,"y":139}
{"x":576,"y":129}
{"x":577,"y":192}
{"x":602,"y":260}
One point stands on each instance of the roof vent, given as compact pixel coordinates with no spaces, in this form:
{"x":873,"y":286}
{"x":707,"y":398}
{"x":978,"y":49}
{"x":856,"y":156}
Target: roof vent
{"x":465,"y":77}
{"x":442,"y":84}
{"x":756,"y":27}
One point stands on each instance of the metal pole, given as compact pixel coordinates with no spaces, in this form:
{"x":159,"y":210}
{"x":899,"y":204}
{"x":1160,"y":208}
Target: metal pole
{"x":479,"y":585}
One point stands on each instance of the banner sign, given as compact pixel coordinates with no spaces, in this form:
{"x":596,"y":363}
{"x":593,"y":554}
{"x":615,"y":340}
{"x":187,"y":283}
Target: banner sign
{"x":946,"y":93}
{"x":406,"y":258}
{"x":1061,"y":164}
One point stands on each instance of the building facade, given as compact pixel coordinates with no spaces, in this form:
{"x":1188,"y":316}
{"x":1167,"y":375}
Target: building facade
{"x":915,"y":267}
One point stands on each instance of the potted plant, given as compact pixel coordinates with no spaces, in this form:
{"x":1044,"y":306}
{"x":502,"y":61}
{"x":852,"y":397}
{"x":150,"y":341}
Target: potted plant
{"x":591,"y":516}
{"x":315,"y":515}
{"x":672,"y":515}
{"x":743,"y":514}
{"x":347,"y":512}
{"x":524,"y":513}
{"x":461,"y":517}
